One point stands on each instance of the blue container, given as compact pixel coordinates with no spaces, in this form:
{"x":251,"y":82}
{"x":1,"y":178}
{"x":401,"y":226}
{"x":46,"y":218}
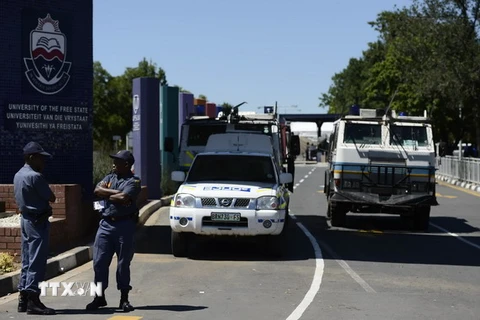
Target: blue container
{"x":200,"y":110}
{"x":355,"y":110}
{"x":219,"y":109}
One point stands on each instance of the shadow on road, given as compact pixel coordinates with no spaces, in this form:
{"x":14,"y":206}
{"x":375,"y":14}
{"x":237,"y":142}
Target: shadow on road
{"x":110,"y":310}
{"x":177,"y":308}
{"x":376,"y":238}
{"x":156,"y":239}
{"x":106,"y":310}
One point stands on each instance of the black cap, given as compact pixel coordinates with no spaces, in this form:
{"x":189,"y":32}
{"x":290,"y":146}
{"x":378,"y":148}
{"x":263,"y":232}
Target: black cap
{"x":35,"y":148}
{"x":124,"y":155}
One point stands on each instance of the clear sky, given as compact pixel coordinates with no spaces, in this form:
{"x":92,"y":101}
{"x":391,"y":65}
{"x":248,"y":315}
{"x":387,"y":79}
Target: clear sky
{"x":239,"y":50}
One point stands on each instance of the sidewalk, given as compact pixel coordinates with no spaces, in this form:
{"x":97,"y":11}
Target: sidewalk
{"x":456,"y":182}
{"x":77,"y":256}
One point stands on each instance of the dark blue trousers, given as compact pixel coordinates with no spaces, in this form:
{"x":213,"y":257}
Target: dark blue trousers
{"x":34,"y":253}
{"x":114,"y":237}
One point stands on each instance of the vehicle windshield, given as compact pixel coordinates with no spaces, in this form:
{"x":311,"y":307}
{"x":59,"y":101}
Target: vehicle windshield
{"x":232,"y":168}
{"x":409,"y":135}
{"x":363,"y":133}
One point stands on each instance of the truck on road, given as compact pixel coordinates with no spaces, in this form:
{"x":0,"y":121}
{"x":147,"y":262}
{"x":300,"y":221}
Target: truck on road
{"x":381,"y":163}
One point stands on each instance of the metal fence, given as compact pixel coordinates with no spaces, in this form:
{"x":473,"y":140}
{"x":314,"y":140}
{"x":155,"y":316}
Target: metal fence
{"x":466,"y":169}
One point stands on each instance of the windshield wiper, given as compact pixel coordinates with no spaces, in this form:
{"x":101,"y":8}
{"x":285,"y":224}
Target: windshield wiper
{"x":396,"y":139}
{"x":353,"y":140}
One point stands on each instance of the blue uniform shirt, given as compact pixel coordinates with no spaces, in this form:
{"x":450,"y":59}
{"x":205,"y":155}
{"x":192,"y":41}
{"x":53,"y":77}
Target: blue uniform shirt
{"x":129,"y":185}
{"x":32,"y":191}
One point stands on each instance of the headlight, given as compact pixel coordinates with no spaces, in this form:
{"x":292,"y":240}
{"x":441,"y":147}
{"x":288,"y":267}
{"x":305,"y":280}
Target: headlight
{"x":267,"y":203}
{"x":184,"y":200}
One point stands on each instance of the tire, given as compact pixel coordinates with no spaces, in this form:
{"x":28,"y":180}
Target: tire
{"x":179,"y":242}
{"x":421,"y":218}
{"x":278,"y":244}
{"x":338,"y":216}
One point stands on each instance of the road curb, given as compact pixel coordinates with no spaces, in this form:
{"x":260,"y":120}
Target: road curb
{"x":458,"y":183}
{"x":75,"y":257}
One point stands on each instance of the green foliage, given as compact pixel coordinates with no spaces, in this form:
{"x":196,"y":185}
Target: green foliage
{"x":102,"y":165}
{"x":227,"y":108}
{"x":112,"y":100}
{"x":427,"y":57}
{"x":168,"y":186}
{"x":7,"y":263}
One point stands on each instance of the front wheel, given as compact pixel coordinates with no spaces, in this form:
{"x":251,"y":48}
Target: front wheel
{"x":179,"y":242}
{"x":421,"y":218}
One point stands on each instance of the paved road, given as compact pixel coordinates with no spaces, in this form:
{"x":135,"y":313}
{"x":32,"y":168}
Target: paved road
{"x":373,"y":269}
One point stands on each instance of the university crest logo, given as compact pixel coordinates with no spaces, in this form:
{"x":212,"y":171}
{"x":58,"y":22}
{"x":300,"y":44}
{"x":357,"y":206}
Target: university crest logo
{"x":47,"y":68}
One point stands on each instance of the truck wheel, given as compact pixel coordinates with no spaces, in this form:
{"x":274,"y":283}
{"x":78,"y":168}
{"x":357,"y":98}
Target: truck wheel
{"x":277,"y":245}
{"x":338,"y":216}
{"x":179,"y":243}
{"x":421,"y":218}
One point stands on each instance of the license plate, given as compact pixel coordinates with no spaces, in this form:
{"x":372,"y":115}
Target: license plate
{"x":224,"y":216}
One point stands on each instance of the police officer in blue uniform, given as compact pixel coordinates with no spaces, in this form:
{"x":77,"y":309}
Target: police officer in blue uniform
{"x":119,"y":191}
{"x":32,"y":195}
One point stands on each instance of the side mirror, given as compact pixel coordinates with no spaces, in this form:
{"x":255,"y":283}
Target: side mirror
{"x":295,"y":145}
{"x":285,"y":178}
{"x":168,"y":144}
{"x":178,"y":176}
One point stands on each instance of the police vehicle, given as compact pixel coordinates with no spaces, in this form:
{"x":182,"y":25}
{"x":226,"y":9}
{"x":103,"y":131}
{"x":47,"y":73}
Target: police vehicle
{"x":197,"y":129}
{"x":233,"y":188}
{"x":381,"y":163}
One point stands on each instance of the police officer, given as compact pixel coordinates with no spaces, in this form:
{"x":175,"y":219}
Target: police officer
{"x":32,"y":195}
{"x":119,"y":191}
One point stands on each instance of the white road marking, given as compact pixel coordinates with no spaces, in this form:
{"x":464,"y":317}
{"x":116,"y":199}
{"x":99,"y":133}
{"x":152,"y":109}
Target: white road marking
{"x":319,"y":269}
{"x":349,"y":270}
{"x":317,"y":276}
{"x":456,"y":236}
{"x":306,"y":176}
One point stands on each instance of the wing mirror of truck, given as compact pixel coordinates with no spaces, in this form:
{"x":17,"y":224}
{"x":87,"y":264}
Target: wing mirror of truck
{"x":285,"y":178}
{"x":178,"y":176}
{"x":295,"y":145}
{"x":168,"y":144}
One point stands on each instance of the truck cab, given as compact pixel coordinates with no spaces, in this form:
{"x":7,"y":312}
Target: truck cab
{"x":196,"y":131}
{"x":381,"y":163}
{"x":235,"y":187}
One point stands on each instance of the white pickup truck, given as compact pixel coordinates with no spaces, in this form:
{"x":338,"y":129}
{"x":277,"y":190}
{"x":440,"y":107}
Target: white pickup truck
{"x":233,"y":188}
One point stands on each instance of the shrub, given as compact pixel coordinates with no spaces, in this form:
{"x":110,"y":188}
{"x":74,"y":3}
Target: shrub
{"x":6,"y":262}
{"x":102,"y":165}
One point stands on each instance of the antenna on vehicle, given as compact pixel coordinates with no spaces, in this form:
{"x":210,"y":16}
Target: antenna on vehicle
{"x":234,"y":114}
{"x":391,"y":101}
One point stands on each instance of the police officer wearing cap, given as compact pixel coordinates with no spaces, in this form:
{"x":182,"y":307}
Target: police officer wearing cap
{"x":119,"y":191}
{"x":32,"y":195}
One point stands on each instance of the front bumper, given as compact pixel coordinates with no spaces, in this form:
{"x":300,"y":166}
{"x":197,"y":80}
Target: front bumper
{"x":372,"y":199}
{"x":251,"y":223}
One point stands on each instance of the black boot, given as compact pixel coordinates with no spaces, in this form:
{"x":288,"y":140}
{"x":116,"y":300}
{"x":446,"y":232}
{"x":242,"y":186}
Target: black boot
{"x":124,"y":303}
{"x":22,"y":301}
{"x":97,"y":302}
{"x":35,"y":306}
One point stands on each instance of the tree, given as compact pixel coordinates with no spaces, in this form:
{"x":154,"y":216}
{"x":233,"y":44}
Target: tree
{"x":180,"y":89}
{"x":113,"y":99}
{"x":227,"y":108}
{"x":427,"y":56}
{"x":203,"y":97}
